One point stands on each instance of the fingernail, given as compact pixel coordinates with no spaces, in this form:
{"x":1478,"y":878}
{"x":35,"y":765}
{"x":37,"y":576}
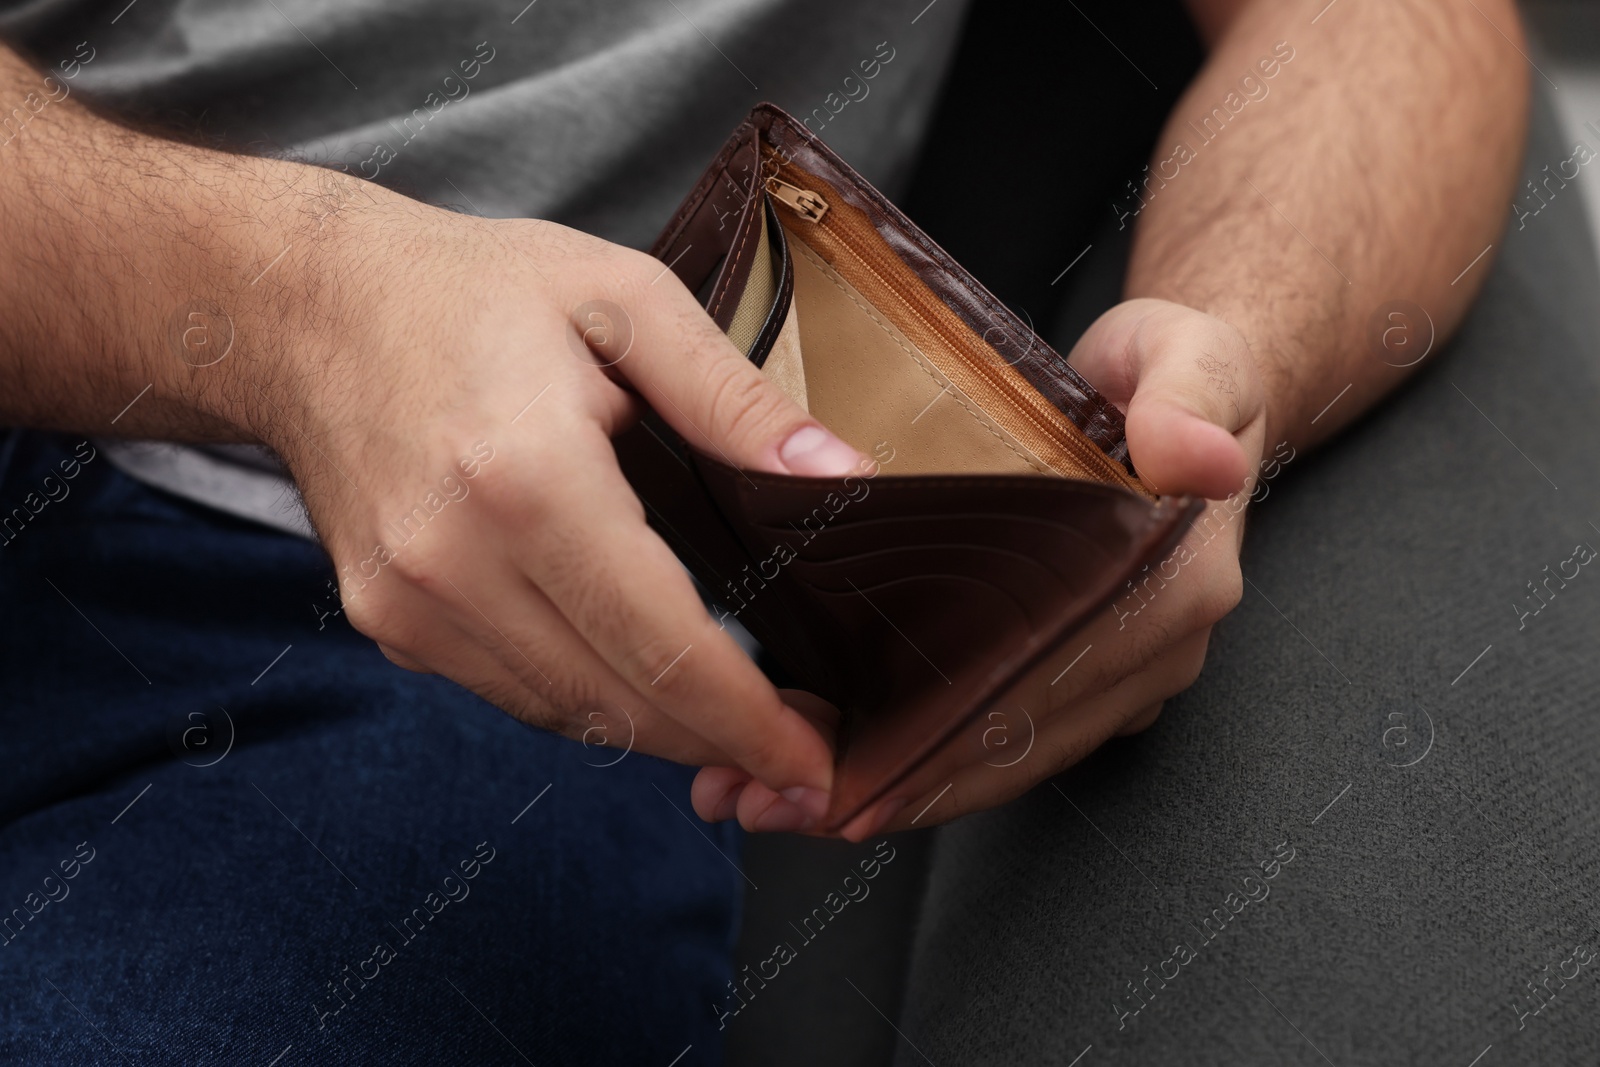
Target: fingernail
{"x":782,"y":816}
{"x":813,"y":452}
{"x":814,"y":802}
{"x":729,"y":804}
{"x":796,"y":808}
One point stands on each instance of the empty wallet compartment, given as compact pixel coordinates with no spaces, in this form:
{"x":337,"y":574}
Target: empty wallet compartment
{"x":996,"y":515}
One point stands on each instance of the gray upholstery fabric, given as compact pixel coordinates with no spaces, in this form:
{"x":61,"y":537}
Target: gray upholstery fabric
{"x":833,"y":1003}
{"x":1425,"y":906}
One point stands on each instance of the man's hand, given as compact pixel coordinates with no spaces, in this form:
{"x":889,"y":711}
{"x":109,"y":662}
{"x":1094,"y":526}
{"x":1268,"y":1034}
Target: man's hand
{"x":1319,"y":202}
{"x":443,"y":389}
{"x":1196,"y":424}
{"x":542,"y":589}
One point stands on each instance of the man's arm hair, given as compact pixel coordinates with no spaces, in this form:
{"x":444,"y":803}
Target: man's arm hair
{"x":1372,"y":165}
{"x":132,"y":261}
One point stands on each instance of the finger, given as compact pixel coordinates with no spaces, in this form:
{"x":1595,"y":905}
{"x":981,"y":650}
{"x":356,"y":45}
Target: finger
{"x":1063,"y":740}
{"x":492,"y":631}
{"x":1177,"y":450}
{"x":720,"y":789}
{"x":403,"y":661}
{"x":715,"y":792}
{"x":823,"y":716}
{"x":1057,"y":725}
{"x":1141,"y":721}
{"x":696,"y":380}
{"x":621,"y":588}
{"x":760,"y":810}
{"x":1121,"y":644}
{"x":1189,"y":388}
{"x":1196,"y":390}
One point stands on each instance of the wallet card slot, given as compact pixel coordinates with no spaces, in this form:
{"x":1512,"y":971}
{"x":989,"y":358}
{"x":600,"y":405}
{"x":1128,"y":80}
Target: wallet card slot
{"x":891,"y":589}
{"x":757,"y":291}
{"x":764,"y":290}
{"x":1041,"y":537}
{"x":1005,"y":572}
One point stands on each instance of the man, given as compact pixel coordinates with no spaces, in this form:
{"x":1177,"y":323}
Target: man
{"x":419,"y":374}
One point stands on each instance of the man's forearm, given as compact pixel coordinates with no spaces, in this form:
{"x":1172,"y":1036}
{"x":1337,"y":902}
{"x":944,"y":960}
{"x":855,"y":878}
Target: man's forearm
{"x":1315,"y":172}
{"x":131,"y":263}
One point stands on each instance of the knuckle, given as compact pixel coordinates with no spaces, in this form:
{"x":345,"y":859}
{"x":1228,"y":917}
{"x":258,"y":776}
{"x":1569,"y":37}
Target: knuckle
{"x":665,"y":667}
{"x":760,"y":752}
{"x":569,"y":247}
{"x":1067,"y":751}
{"x":420,"y":563}
{"x":370,"y":618}
{"x":376,"y":615}
{"x":1143,"y":718}
{"x":1222,"y":595}
{"x":532,"y":709}
{"x":553,"y":468}
{"x":742,"y":404}
{"x":634,"y":270}
{"x":506,"y":498}
{"x":1188,"y":669}
{"x":556,"y":704}
{"x":1163,"y":326}
{"x":575,"y":577}
{"x":1215,"y":592}
{"x":568,"y":702}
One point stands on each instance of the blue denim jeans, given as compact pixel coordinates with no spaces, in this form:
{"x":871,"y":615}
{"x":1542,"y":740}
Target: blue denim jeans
{"x":231,"y":831}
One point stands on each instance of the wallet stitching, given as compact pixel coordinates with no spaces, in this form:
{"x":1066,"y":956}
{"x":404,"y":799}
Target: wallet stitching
{"x":1095,"y":410}
{"x":778,"y":237}
{"x":707,"y":182}
{"x":738,"y":257}
{"x":979,"y":416}
{"x":919,"y":482}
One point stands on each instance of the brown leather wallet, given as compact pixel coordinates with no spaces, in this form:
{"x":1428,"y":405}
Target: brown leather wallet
{"x":1000,"y":512}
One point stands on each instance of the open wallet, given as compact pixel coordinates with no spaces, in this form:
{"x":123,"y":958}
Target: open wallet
{"x":999,"y":512}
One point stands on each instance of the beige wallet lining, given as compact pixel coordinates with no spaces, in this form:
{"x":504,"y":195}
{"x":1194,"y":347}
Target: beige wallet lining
{"x":843,"y":358}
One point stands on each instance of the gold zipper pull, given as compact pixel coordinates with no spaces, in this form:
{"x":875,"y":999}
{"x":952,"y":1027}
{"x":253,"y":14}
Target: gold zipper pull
{"x":805,"y":203}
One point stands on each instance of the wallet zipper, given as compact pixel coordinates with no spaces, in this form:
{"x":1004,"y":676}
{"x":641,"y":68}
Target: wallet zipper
{"x":804,"y":202}
{"x":810,"y":206}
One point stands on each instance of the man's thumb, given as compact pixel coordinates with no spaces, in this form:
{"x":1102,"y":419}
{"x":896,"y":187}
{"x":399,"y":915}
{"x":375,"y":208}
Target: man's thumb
{"x":1176,"y":449}
{"x":696,"y":380}
{"x":1186,"y":384}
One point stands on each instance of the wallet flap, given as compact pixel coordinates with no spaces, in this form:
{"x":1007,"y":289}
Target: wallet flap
{"x":911,"y":601}
{"x":939,"y":592}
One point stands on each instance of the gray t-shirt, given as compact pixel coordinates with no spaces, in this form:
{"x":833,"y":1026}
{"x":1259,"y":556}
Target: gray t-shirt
{"x":597,"y":114}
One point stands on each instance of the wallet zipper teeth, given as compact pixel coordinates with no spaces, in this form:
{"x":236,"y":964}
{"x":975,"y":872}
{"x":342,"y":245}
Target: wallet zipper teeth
{"x":1089,"y":457}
